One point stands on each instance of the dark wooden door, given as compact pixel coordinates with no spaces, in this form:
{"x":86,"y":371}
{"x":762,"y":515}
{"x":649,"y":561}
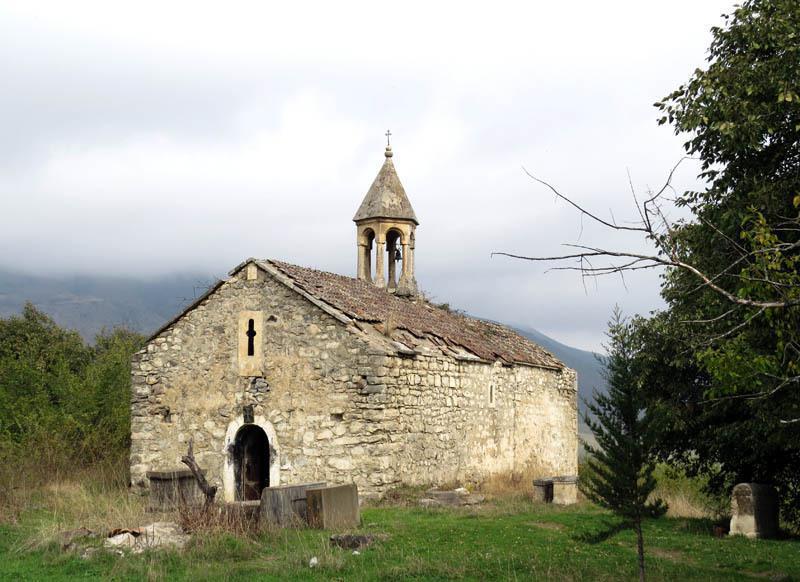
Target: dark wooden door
{"x":252,"y":462}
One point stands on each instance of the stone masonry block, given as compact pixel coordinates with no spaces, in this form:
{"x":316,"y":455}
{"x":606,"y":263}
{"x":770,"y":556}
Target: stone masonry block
{"x":754,"y":507}
{"x":565,"y":490}
{"x":333,"y":507}
{"x":284,"y":506}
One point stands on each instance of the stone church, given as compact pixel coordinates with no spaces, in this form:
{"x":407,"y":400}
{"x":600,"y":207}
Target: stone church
{"x":285,"y":374}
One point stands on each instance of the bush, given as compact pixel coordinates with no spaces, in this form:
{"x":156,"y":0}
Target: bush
{"x":64,"y":405}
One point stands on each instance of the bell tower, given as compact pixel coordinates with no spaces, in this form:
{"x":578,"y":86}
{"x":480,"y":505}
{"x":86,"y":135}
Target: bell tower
{"x":385,"y":231}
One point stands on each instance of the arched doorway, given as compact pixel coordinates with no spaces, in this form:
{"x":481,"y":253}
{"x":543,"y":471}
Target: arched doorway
{"x":231,"y":467}
{"x":250,"y":462}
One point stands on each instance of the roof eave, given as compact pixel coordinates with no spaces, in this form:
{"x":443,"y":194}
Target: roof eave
{"x":212,"y":289}
{"x":360,"y":221}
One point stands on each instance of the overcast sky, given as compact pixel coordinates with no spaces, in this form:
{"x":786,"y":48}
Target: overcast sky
{"x":184,"y":137}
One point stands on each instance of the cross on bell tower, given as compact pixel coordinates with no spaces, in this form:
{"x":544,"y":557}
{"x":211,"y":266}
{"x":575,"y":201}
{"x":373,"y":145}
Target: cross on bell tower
{"x":386,"y":222}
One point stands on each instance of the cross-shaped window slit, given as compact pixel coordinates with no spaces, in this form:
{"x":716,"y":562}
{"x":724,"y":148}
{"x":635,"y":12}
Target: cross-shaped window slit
{"x":251,"y":334}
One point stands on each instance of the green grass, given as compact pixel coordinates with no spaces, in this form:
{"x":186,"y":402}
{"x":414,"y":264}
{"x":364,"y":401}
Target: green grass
{"x":509,"y":541}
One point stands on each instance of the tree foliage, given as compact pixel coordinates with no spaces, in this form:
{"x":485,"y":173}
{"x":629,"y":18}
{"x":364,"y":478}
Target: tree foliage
{"x":726,"y":376}
{"x":742,"y":115}
{"x":63,"y":402}
{"x":728,"y":440}
{"x":722,"y":362}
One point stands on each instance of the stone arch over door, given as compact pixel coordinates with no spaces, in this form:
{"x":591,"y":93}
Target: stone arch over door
{"x":229,"y":468}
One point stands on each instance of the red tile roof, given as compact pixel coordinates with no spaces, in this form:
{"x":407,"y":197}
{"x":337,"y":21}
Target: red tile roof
{"x":365,"y":302}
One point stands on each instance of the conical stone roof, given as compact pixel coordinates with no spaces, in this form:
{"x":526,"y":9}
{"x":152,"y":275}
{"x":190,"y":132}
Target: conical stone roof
{"x":386,"y":197}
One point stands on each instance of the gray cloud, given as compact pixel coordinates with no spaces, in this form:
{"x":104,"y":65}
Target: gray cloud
{"x":164,"y":139}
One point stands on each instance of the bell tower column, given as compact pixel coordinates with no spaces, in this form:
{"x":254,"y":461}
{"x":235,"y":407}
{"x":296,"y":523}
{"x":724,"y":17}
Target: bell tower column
{"x":361,"y":270}
{"x":404,"y":275}
{"x":380,"y":277}
{"x":408,"y":283}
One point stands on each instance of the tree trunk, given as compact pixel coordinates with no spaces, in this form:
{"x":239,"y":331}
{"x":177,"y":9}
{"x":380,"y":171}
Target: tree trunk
{"x":210,"y":491}
{"x":640,"y":547}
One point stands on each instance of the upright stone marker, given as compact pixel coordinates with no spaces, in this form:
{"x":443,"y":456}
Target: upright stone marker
{"x":333,"y":507}
{"x":170,"y":490}
{"x":565,"y":490}
{"x":754,"y":510}
{"x":284,"y":506}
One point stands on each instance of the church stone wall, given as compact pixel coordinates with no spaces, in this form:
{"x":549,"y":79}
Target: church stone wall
{"x":186,"y":384}
{"x":335,"y":405}
{"x":463,"y":421}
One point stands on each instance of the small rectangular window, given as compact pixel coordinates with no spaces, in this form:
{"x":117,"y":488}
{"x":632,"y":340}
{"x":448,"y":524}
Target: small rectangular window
{"x":251,"y":335}
{"x":250,"y":343}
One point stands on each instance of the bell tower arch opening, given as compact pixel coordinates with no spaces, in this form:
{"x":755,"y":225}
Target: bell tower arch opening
{"x":394,"y":255}
{"x":366,"y":244}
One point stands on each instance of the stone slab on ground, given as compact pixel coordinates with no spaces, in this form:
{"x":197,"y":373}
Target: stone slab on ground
{"x":285,"y":506}
{"x":754,"y":510}
{"x":334,"y":507}
{"x":352,"y":541}
{"x":161,"y":534}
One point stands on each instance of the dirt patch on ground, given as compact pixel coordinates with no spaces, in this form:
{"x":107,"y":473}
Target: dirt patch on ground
{"x":672,"y":555}
{"x":773,"y":576}
{"x":547,"y":525}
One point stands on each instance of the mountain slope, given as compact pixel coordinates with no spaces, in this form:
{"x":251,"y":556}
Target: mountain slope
{"x":90,"y":303}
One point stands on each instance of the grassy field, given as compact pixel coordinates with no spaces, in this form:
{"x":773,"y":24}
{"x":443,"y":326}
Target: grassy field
{"x":506,"y":539}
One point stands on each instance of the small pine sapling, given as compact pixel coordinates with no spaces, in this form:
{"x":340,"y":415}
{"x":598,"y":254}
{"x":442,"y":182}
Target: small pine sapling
{"x":620,"y":467}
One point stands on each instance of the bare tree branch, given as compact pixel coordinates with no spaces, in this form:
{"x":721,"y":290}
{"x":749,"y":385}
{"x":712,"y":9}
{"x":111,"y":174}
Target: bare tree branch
{"x":582,"y":210}
{"x":755,"y":395}
{"x":668,"y":254}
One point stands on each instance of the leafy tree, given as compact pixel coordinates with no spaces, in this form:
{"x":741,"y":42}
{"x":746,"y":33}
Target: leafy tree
{"x":40,"y":367}
{"x":63,"y":403}
{"x":725,"y":373}
{"x":742,"y":114}
{"x":108,"y":376}
{"x":620,"y":475}
{"x":724,"y":366}
{"x":728,"y":440}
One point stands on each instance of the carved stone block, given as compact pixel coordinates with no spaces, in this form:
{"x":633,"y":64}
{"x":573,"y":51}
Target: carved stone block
{"x":754,"y":510}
